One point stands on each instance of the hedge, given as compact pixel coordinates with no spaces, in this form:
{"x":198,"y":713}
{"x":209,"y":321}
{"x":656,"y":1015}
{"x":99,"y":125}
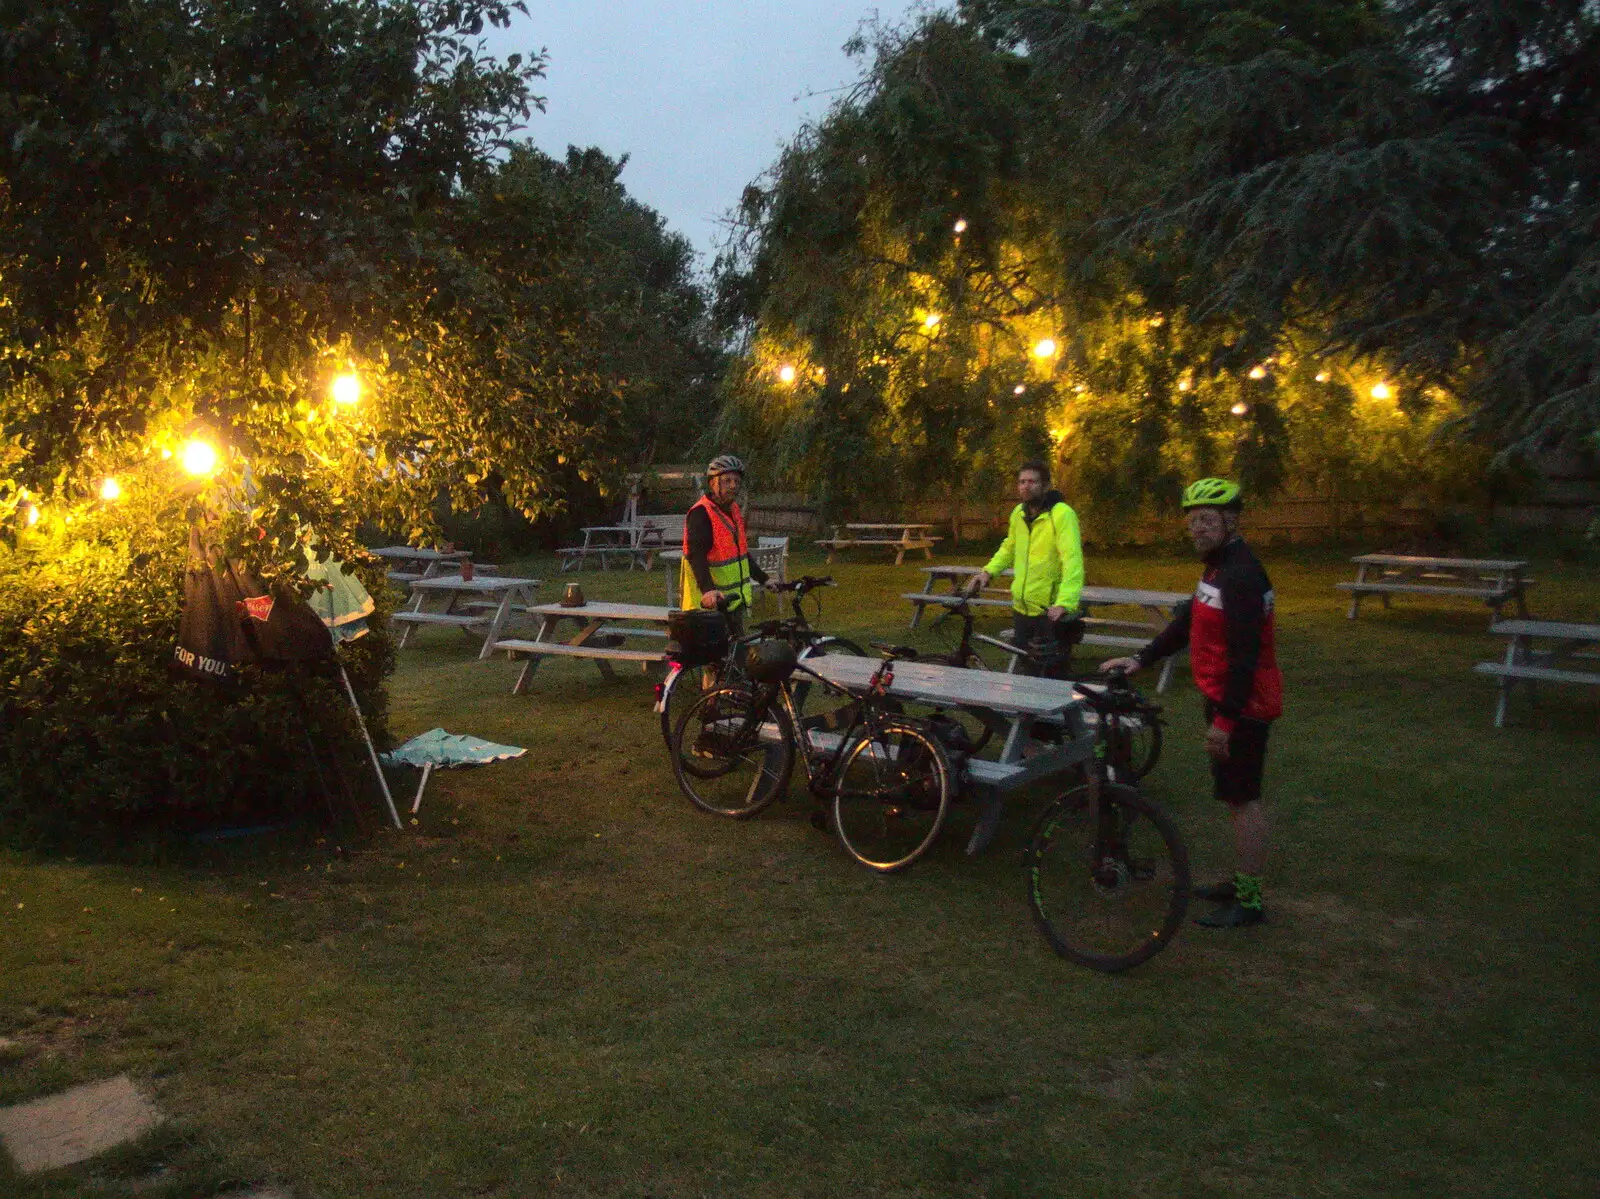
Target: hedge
{"x":99,"y":741}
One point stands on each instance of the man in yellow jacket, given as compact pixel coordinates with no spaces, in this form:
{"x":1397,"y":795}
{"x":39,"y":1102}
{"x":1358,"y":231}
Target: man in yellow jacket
{"x":1045,"y":555}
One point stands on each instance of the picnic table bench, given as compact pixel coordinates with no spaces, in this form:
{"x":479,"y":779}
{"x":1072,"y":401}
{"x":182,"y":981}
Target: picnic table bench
{"x":1158,"y":606}
{"x":598,"y":640}
{"x":1573,"y":658}
{"x":898,"y":536}
{"x":1495,"y":581}
{"x":502,"y":597}
{"x":1011,"y":704}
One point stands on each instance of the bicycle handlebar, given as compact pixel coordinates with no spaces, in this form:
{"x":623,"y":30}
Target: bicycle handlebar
{"x":805,"y":583}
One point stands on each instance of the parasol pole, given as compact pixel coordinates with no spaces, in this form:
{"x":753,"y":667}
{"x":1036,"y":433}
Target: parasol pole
{"x":372,"y":752}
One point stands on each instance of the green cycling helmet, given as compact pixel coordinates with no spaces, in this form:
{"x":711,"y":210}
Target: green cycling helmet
{"x":1211,"y":493}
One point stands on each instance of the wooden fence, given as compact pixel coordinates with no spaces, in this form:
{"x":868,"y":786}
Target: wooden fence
{"x":1287,"y":520}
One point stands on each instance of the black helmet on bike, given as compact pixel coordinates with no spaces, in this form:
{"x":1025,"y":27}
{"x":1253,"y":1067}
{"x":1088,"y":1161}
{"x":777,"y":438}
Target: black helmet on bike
{"x":770,"y":661}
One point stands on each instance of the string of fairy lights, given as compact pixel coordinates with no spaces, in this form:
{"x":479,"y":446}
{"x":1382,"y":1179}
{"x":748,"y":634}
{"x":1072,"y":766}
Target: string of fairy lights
{"x":196,"y":456}
{"x":1044,"y":351}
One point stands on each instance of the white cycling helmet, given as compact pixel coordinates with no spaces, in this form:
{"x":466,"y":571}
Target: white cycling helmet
{"x":724,"y":464}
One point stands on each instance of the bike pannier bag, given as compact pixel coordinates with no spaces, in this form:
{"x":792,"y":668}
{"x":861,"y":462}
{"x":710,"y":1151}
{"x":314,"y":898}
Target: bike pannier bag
{"x":697,"y":637}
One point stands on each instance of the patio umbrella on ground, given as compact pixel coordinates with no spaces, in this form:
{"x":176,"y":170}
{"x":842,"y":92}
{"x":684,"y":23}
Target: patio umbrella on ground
{"x":439,"y":748}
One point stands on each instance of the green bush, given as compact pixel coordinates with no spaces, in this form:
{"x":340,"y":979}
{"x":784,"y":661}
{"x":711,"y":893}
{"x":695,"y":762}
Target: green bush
{"x":100,"y":742}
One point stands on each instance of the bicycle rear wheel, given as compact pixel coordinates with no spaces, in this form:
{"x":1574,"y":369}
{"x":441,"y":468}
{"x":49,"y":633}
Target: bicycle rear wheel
{"x":891,"y":795}
{"x":726,"y":761}
{"x":1107,"y":888}
{"x":682,"y":689}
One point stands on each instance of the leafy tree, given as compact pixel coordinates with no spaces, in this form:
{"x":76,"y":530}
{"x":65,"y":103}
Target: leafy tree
{"x":1428,"y":198}
{"x":946,"y":263}
{"x":209,"y":212}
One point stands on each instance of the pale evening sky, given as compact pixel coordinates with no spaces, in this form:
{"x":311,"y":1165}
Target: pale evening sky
{"x":701,"y":94}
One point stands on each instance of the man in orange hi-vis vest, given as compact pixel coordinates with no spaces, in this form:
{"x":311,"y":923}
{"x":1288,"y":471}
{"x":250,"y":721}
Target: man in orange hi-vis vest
{"x":717,"y":567}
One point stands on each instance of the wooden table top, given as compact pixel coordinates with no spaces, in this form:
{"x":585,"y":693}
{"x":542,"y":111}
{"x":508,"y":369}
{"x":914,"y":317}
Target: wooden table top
{"x":411,"y":553}
{"x":1442,"y":563}
{"x":601,"y":610}
{"x":1133,"y":595}
{"x":484,"y":583}
{"x":931,"y":683}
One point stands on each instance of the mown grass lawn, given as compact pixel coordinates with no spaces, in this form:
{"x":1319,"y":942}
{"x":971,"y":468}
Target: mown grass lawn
{"x":565,"y":981}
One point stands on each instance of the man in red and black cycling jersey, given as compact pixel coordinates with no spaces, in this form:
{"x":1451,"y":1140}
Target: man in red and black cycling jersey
{"x":1228,"y":627}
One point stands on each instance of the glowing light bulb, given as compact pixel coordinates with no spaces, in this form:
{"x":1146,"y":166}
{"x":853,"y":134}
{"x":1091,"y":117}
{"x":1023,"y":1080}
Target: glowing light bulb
{"x":110,"y":489}
{"x":1323,"y":376}
{"x":932,"y":319}
{"x":1184,"y":385}
{"x":33,"y":515}
{"x":1382,"y":391}
{"x":961,"y":225}
{"x":786,"y":373}
{"x":1018,"y":389}
{"x":1045,"y":347}
{"x":1239,"y":409}
{"x":1258,"y":372}
{"x":346,"y":389}
{"x":198,"y":458}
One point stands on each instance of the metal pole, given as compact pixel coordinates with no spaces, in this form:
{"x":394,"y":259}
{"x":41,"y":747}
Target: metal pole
{"x":372,"y":753}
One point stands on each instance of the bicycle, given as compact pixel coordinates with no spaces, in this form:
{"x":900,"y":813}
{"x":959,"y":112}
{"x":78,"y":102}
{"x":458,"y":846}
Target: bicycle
{"x":1108,"y":872}
{"x":885,"y":775}
{"x":1039,"y":658}
{"x":683,"y":684}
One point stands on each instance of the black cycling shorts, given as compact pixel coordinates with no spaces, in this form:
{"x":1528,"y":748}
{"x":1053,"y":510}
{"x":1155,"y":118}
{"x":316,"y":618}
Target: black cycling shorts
{"x":1238,"y":780}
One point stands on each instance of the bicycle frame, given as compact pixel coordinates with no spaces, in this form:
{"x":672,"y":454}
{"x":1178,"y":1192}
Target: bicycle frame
{"x":1112,"y":761}
{"x":964,"y":650}
{"x":867,"y":717}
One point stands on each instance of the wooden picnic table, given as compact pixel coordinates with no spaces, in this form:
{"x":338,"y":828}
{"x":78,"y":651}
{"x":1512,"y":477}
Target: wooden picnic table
{"x":501,"y":596}
{"x":1496,"y":581}
{"x":899,"y":536}
{"x":434,"y":562}
{"x":1159,"y":608}
{"x":594,"y":640}
{"x":640,"y":542}
{"x":1011,"y":704}
{"x":1571,"y":657}
{"x":602,"y":541}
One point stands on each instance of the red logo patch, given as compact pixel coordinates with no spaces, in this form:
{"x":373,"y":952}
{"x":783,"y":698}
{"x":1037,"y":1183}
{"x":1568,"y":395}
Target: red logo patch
{"x":258,"y":607}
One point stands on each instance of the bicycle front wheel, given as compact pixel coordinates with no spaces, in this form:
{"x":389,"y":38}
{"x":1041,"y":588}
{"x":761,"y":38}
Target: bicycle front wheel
{"x":1108,"y":887}
{"x":1140,"y":736}
{"x":729,"y":761}
{"x":891,"y":794}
